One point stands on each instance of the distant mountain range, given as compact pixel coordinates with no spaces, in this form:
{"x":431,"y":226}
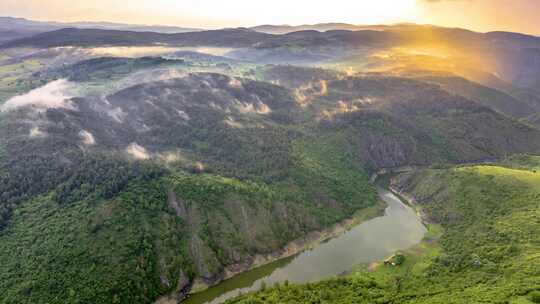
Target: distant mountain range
{"x":14,"y":28}
{"x":101,"y":37}
{"x":258,"y":38}
{"x":321,"y":27}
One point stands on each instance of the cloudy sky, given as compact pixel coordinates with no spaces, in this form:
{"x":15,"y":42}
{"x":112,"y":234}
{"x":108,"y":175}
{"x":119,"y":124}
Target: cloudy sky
{"x":481,"y":15}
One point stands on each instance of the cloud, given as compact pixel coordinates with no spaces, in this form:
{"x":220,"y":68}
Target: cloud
{"x":137,"y":151}
{"x":36,"y":132}
{"x":87,"y":138}
{"x":55,"y":94}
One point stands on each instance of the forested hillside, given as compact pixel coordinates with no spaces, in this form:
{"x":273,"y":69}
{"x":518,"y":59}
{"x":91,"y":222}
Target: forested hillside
{"x":482,"y":246}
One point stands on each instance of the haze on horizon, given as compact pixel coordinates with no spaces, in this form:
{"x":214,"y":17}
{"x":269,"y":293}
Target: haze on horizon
{"x":480,"y":15}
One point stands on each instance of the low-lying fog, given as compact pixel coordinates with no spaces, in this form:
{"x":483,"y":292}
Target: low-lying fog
{"x":55,"y":94}
{"x":141,"y":51}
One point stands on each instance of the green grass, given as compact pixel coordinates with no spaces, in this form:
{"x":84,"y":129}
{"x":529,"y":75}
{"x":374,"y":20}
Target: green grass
{"x":16,"y":78}
{"x":524,"y":162}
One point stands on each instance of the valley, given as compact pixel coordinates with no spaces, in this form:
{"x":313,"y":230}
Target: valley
{"x":166,"y":166}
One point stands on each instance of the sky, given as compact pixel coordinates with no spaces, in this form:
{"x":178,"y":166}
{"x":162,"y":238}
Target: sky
{"x":480,"y":15}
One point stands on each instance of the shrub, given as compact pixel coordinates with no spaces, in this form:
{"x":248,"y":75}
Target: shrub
{"x":535,"y":296}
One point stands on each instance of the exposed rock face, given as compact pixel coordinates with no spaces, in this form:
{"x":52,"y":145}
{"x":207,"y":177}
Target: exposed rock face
{"x":178,"y":205}
{"x":183,"y":287}
{"x":386,"y":151}
{"x":410,"y":184}
{"x":239,"y":233}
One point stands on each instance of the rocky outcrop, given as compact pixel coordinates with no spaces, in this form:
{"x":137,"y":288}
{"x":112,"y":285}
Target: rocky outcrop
{"x":383,"y":151}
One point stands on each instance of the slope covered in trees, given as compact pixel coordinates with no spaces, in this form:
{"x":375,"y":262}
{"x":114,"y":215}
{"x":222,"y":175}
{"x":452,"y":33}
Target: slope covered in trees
{"x":488,"y":250}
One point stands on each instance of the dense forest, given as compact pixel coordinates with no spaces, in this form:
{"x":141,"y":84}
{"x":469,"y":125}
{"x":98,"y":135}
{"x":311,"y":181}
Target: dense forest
{"x":91,"y":225}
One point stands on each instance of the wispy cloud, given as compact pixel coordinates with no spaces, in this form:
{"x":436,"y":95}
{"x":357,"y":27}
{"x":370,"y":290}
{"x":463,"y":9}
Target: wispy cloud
{"x":55,"y":94}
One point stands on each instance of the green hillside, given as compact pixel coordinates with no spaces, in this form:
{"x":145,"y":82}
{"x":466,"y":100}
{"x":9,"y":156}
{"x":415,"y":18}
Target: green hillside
{"x":487,"y":253}
{"x":139,"y":230}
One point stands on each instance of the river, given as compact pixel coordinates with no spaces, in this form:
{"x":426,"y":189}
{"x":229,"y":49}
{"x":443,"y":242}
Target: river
{"x":398,"y":229}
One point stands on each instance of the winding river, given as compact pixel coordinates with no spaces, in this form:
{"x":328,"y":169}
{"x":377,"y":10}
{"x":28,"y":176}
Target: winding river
{"x":399,"y":228}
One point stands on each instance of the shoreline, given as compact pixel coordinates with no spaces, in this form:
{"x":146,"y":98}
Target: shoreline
{"x":295,"y":247}
{"x":312,"y":239}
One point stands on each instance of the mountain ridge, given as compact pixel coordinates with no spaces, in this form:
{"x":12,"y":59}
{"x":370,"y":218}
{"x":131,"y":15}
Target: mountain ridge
{"x":47,"y":25}
{"x":249,"y":38}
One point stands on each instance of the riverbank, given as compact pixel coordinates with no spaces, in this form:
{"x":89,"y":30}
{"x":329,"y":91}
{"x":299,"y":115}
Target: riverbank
{"x":429,"y":245}
{"x":201,"y":291}
{"x":312,"y":239}
{"x":295,"y":247}
{"x":398,"y":229}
